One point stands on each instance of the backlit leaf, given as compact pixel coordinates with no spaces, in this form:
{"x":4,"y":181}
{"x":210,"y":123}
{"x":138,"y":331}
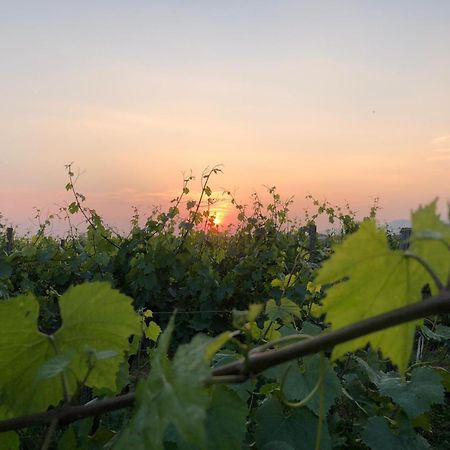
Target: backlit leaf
{"x":430,"y":240}
{"x":372,"y":279}
{"x":23,"y":350}
{"x":95,"y":315}
{"x":152,"y":331}
{"x":285,"y":311}
{"x":269,"y":331}
{"x":96,"y":324}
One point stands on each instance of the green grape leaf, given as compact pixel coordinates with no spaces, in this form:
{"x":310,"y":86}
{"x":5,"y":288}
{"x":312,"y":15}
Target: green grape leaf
{"x":9,"y":441}
{"x":268,"y":388}
{"x":172,"y":394}
{"x":218,"y":343}
{"x":379,"y":436}
{"x":422,"y":421}
{"x":445,"y":376}
{"x":96,"y":317}
{"x":372,"y":280}
{"x":73,"y":208}
{"x":100,"y":356}
{"x":148,"y":313}
{"x":430,"y":240}
{"x":311,"y":329}
{"x":440,"y":334}
{"x":152,"y":331}
{"x":299,"y":382}
{"x":23,"y":350}
{"x":287,"y":282}
{"x":254,"y":310}
{"x":68,"y":441}
{"x":296,"y":428}
{"x":416,"y":396}
{"x":285,"y":311}
{"x":101,"y":438}
{"x":96,"y":324}
{"x":374,"y":375}
{"x":442,"y":331}
{"x":240,"y":318}
{"x":29,"y":251}
{"x":54,"y":366}
{"x":226,"y":420}
{"x":277,"y":283}
{"x":269,"y":331}
{"x":243,"y":390}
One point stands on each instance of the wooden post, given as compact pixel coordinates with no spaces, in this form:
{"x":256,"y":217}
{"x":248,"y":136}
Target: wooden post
{"x":312,"y":240}
{"x":62,"y":243}
{"x":9,"y":239}
{"x":405,"y":234}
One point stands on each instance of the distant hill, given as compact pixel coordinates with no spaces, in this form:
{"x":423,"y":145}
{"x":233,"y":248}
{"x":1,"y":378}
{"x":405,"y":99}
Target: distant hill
{"x":396,"y":225}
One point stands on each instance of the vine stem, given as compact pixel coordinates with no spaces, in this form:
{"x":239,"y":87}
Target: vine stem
{"x":50,"y":433}
{"x":257,"y":362}
{"x":286,"y":285}
{"x":82,"y":210}
{"x":321,"y":402}
{"x":205,"y":178}
{"x":283,"y":340}
{"x":428,"y":268}
{"x":64,"y":380}
{"x":306,"y":399}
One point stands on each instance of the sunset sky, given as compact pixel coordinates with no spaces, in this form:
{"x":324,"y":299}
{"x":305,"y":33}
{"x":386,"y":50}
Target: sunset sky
{"x":345,"y":100}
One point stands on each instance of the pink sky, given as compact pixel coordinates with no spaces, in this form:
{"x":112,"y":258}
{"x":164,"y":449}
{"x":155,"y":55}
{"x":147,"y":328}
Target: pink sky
{"x":346,"y":105}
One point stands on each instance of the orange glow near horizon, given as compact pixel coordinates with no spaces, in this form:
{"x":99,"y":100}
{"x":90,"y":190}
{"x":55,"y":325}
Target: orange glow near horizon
{"x":295,"y":102}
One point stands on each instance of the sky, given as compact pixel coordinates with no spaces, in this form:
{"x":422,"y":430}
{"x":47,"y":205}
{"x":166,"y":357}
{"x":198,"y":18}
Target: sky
{"x":346,"y":101}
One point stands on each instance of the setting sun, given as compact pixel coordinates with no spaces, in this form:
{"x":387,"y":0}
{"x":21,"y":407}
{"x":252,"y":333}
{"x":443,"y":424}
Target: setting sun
{"x":217,"y":219}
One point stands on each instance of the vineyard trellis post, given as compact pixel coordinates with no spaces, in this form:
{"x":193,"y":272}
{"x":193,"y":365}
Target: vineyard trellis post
{"x":405,"y":234}
{"x":312,"y":240}
{"x":9,"y":240}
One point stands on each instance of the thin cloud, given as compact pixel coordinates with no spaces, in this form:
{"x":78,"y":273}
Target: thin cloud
{"x":440,"y":150}
{"x":441,"y":141}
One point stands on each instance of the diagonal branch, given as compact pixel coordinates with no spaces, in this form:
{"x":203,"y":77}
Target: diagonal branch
{"x":440,"y":304}
{"x":67,"y":414}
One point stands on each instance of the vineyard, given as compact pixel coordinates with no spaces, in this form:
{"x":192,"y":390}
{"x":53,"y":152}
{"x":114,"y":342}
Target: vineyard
{"x":181,"y":336}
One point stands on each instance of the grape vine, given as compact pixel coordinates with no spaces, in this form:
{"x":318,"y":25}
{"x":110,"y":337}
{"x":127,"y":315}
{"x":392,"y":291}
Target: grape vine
{"x":274,"y":346}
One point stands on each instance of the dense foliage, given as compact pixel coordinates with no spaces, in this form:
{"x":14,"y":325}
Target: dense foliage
{"x":81,"y":319}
